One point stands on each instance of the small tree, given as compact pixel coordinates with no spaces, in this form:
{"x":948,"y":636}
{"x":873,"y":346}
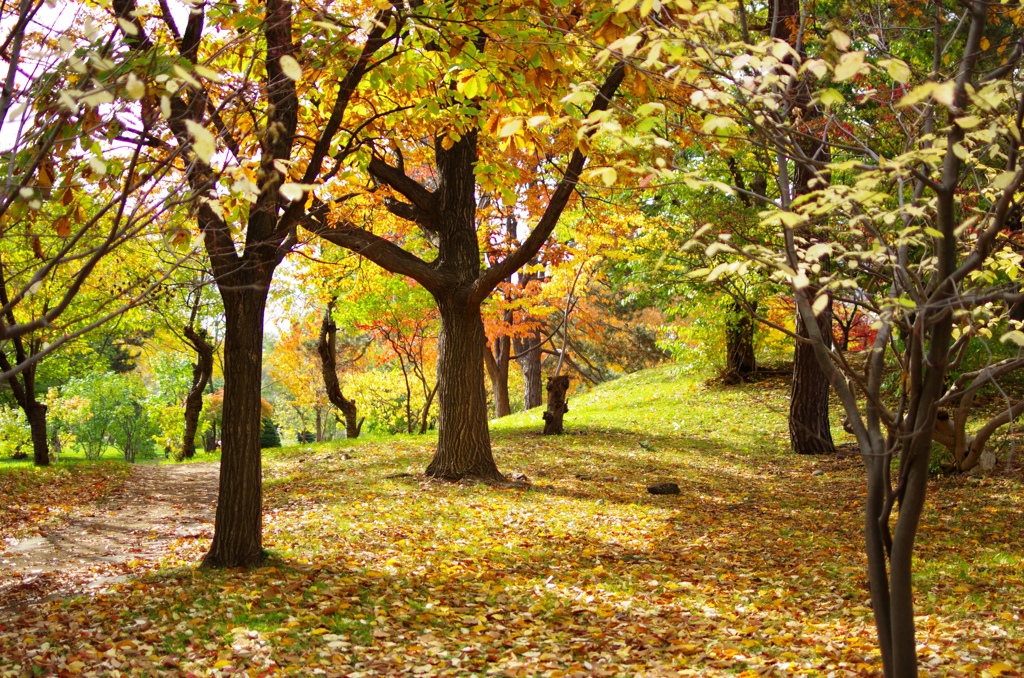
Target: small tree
{"x":269,"y":436}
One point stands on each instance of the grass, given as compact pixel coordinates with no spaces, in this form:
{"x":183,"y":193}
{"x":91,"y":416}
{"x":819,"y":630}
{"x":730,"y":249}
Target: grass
{"x":754,"y":568}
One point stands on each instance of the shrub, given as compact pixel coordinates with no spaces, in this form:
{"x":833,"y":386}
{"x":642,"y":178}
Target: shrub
{"x":269,"y":437}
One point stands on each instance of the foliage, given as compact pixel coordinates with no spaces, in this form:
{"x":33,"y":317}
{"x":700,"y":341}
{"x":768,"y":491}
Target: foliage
{"x":118,"y":415}
{"x":15,"y":436}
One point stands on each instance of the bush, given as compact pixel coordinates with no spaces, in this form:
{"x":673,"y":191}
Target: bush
{"x":305,"y":437}
{"x":269,"y":437}
{"x":116,"y":415}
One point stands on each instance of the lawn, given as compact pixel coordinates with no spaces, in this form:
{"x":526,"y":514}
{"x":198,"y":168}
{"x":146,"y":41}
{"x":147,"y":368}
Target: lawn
{"x":754,"y":568}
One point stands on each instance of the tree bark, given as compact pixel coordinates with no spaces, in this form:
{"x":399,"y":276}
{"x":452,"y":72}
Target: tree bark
{"x":740,"y":360}
{"x":809,"y":428}
{"x":327,"y":349}
{"x":464,"y":441}
{"x":202,"y":370}
{"x":497,"y":370}
{"x":36,"y":415}
{"x":238,"y":533}
{"x":558,"y":404}
{"x":528,"y":357}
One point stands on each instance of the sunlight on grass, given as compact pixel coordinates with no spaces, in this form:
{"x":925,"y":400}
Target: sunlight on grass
{"x":755,"y":567}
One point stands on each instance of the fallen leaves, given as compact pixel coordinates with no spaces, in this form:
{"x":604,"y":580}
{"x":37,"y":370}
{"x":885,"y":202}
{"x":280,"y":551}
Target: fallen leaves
{"x":754,"y":569}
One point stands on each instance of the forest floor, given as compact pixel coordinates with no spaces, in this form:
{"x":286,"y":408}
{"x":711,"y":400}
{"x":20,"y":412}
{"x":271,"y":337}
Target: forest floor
{"x":756,"y":568}
{"x":132,"y":524}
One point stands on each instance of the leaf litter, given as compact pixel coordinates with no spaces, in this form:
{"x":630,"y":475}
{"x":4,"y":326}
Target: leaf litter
{"x":754,"y":569}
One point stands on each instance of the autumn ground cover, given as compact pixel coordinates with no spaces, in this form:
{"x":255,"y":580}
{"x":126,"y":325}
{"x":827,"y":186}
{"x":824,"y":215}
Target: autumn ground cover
{"x":755,"y":568}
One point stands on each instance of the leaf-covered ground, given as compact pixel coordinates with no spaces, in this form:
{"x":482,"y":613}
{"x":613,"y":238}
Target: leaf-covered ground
{"x":755,"y":568}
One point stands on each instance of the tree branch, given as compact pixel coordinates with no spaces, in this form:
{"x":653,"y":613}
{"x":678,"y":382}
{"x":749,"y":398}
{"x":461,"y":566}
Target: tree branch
{"x":490,"y":278}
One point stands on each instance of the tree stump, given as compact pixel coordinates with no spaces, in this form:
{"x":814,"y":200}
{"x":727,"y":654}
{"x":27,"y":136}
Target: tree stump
{"x":558,"y":405}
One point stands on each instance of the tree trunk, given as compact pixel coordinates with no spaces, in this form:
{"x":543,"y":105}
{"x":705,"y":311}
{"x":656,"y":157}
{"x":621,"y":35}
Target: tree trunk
{"x":809,"y":429}
{"x":740,"y":361}
{"x":425,"y":412}
{"x":210,"y":442}
{"x":528,"y":352}
{"x":202,"y":370}
{"x":36,"y":415}
{"x":497,"y":370}
{"x":463,"y":441}
{"x":238,"y":531}
{"x":327,"y":349}
{"x":319,"y":426}
{"x":558,"y":404}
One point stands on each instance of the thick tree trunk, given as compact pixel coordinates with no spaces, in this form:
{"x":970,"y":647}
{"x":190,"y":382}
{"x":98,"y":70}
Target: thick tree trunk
{"x":202,"y":370}
{"x":327,"y":349}
{"x":463,"y":441}
{"x":740,"y":361}
{"x":528,"y":352}
{"x":36,"y":415}
{"x":809,"y":429}
{"x":238,"y":532}
{"x":558,"y":404}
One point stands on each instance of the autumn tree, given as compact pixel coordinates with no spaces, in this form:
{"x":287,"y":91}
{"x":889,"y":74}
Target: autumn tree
{"x":275,"y":123}
{"x":327,"y":350}
{"x":913,"y":166}
{"x":70,"y":200}
{"x":469,"y":73}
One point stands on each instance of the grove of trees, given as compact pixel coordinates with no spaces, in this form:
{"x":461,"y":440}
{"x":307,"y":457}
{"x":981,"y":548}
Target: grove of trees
{"x":345,"y":218}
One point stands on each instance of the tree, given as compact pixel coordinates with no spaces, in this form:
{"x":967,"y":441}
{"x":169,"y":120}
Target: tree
{"x":471,"y":71}
{"x":907,"y":212}
{"x":269,"y":437}
{"x":247,"y":235}
{"x":327,"y":349}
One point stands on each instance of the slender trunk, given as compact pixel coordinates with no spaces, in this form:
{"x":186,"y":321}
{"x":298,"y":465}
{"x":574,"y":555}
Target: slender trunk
{"x":740,"y":361}
{"x":558,"y":404}
{"x":877,"y":493}
{"x":809,"y":429}
{"x":202,"y":370}
{"x":409,"y":426}
{"x":425,"y":413}
{"x":36,"y":415}
{"x":319,"y":426}
{"x":497,"y":370}
{"x":238,"y":532}
{"x":528,"y":352}
{"x":463,"y":441}
{"x":327,"y":349}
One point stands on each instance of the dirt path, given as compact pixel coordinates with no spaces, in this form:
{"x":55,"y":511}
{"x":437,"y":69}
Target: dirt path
{"x":124,"y":534}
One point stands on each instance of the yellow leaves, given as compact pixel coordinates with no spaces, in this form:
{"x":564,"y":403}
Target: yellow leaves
{"x":187,"y":77}
{"x":290,"y":67}
{"x":841,"y":40}
{"x":293,"y":192}
{"x":511,"y":127}
{"x":715,"y":124}
{"x":134,"y":88}
{"x":898,"y":69}
{"x":127,"y":26}
{"x":998,"y":669}
{"x":850,"y":64}
{"x":208,"y":73}
{"x":831,"y":97}
{"x":203,"y":142}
